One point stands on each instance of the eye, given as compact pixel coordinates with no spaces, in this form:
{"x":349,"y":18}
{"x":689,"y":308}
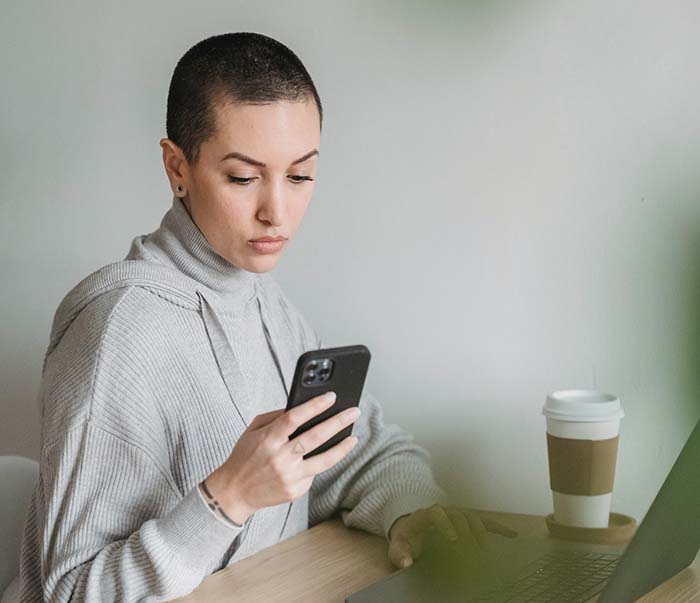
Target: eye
{"x":246,"y":181}
{"x":301,"y":179}
{"x":242,"y":181}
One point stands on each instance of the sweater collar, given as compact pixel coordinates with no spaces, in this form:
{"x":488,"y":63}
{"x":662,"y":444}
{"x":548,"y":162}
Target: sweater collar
{"x":178,"y":242}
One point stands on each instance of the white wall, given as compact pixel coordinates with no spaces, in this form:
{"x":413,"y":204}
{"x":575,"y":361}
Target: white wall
{"x":506,"y":204}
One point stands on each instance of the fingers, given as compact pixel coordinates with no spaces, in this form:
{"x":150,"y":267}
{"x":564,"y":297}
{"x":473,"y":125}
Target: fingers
{"x":320,"y":462}
{"x":297,"y":416}
{"x":438,"y":517}
{"x":466,"y":534}
{"x":477,"y":528}
{"x":472,"y":546}
{"x":488,"y":565}
{"x":467,"y":546}
{"x":317,"y":435}
{"x":491,"y":525}
{"x":498,"y":528}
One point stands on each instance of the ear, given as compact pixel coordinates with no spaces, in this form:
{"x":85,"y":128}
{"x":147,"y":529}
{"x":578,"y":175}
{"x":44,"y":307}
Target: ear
{"x":175,"y":164}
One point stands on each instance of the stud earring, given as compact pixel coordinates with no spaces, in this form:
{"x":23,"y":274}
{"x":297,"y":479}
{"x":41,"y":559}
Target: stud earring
{"x":179,"y":188}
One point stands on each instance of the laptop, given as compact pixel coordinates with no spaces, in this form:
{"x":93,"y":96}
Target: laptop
{"x":536,"y":569}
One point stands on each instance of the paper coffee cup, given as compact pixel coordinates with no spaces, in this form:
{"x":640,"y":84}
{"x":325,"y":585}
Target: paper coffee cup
{"x":583,"y":429}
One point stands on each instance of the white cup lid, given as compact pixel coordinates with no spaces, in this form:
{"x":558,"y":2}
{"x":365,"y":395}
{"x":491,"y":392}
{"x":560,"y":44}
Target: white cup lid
{"x":582,"y":405}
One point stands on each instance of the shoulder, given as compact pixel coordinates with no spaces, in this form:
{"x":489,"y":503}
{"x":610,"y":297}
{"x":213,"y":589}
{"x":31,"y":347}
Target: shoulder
{"x":71,"y":363}
{"x":83,"y":328}
{"x":105,"y":355}
{"x":102,"y":291}
{"x":123,"y":306}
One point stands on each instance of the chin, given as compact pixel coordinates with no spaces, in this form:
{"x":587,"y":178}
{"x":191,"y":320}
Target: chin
{"x":262,"y":264}
{"x":251,"y":263}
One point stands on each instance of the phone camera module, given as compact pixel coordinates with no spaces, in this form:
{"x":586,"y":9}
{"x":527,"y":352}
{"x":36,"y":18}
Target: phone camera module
{"x":313,"y":377}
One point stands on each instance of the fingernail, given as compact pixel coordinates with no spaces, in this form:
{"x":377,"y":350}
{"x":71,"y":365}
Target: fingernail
{"x":330,"y":396}
{"x":405,"y":562}
{"x":354,"y":412}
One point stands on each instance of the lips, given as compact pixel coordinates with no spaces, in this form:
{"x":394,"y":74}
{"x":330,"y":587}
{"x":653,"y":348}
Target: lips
{"x":262,"y":246}
{"x":267,"y":239}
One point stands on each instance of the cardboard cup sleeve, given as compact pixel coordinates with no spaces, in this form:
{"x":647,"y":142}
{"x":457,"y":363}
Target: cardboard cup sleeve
{"x":583,"y":467}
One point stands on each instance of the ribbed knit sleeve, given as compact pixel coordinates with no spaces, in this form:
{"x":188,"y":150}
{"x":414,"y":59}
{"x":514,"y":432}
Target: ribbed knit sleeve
{"x":113,"y":529}
{"x":386,"y":475}
{"x":109,"y":521}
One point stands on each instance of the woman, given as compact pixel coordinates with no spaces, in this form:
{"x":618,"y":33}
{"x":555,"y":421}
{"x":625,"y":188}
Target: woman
{"x":165,"y":451}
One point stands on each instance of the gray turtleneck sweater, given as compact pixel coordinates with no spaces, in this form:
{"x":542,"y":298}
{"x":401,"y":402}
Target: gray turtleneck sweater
{"x":154,"y":368}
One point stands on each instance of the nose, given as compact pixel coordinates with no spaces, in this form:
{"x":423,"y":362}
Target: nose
{"x":272,"y":206}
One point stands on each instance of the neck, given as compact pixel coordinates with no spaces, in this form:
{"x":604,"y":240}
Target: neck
{"x":179,"y":243}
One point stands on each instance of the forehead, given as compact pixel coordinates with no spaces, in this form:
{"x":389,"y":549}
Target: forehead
{"x":268,"y":130}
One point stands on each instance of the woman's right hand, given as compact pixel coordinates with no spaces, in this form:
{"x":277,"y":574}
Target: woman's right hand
{"x":266,"y":468}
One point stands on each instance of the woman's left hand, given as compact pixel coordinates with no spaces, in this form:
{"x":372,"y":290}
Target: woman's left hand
{"x":464,"y":529}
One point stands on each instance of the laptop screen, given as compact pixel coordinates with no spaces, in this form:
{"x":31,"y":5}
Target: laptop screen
{"x":668,"y":539}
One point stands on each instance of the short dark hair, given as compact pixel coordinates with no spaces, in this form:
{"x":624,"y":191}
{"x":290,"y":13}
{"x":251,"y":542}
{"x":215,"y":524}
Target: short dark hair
{"x":242,"y":67}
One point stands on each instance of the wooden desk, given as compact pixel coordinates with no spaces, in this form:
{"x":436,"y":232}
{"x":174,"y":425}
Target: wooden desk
{"x":329,"y":561}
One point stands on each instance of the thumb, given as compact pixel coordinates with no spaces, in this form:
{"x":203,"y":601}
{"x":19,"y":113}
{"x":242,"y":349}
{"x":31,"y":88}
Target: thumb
{"x":400,"y":553}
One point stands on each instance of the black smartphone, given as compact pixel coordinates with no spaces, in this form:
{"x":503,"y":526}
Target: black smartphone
{"x":342,"y":370}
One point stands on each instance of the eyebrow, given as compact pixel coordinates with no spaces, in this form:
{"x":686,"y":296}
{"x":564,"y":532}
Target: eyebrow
{"x":242,"y":157}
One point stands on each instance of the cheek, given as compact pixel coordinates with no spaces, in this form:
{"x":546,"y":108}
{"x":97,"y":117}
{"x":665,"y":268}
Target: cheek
{"x":230,"y":218}
{"x":300,"y":205}
{"x":238,"y":220}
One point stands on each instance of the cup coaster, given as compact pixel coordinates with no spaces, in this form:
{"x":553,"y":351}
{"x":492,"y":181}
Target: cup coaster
{"x":620,"y":529}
